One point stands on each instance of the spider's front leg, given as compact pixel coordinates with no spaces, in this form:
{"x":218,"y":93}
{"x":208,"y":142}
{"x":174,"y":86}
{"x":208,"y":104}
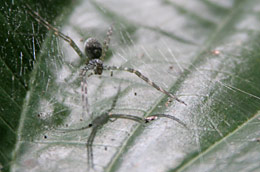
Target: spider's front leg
{"x":147,"y":80}
{"x":96,"y":66}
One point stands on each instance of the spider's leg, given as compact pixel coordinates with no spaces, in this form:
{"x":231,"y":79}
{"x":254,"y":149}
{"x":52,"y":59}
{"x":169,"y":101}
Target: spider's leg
{"x":136,"y":72}
{"x":76,"y":129}
{"x":106,"y":42}
{"x":153,"y":117}
{"x":39,"y":19}
{"x":84,"y":96}
{"x":84,"y":88}
{"x":89,"y":146}
{"x":114,"y":101}
{"x":130,"y":117}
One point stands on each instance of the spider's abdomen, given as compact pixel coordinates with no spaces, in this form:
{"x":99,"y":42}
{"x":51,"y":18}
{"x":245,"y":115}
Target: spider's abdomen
{"x":93,"y":48}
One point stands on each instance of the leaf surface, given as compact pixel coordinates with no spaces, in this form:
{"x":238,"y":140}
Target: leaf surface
{"x":205,"y":52}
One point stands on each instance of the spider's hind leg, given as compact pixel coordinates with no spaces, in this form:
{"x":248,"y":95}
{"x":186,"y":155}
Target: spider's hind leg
{"x":89,"y":147}
{"x":156,"y":116}
{"x":129,"y":117}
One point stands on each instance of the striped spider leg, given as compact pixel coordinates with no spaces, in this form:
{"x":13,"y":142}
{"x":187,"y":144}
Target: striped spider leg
{"x":106,"y":117}
{"x":66,"y":38}
{"x":43,"y":22}
{"x":140,"y":75}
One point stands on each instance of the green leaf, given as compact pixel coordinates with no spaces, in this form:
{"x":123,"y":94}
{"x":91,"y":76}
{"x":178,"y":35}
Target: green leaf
{"x":20,"y":42}
{"x":206,"y":52}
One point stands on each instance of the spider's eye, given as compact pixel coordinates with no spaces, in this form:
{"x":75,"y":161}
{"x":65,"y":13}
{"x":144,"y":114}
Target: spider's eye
{"x":93,"y":48}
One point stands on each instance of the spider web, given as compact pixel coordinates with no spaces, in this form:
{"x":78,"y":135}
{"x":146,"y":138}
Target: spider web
{"x":205,"y":66}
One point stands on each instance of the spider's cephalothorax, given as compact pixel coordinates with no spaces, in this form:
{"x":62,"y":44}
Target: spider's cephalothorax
{"x":96,"y":65}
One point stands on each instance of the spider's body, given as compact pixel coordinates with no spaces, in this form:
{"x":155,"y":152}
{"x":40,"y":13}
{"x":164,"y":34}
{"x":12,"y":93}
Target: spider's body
{"x":95,"y":54}
{"x":93,"y":50}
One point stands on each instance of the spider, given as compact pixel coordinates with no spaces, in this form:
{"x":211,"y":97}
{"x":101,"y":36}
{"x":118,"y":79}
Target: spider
{"x":107,"y":116}
{"x":94,"y":56}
